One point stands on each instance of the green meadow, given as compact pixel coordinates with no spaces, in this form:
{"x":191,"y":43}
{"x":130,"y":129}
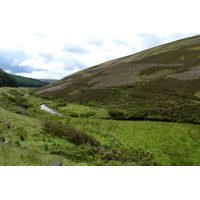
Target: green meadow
{"x":87,"y":135}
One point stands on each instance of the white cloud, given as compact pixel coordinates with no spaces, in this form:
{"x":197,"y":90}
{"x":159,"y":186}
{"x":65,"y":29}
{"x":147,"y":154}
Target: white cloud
{"x":15,"y":62}
{"x":58,"y":37}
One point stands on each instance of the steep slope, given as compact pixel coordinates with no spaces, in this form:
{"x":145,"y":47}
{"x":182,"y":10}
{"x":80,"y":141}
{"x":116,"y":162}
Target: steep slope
{"x":165,"y":81}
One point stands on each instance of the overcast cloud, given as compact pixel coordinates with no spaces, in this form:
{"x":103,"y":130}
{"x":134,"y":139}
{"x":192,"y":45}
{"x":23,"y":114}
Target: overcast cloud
{"x":52,"y":39}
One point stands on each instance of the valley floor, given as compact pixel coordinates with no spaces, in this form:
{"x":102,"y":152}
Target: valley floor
{"x":86,"y":135}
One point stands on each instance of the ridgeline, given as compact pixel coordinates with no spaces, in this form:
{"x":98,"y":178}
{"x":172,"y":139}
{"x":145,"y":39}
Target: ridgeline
{"x":161,"y":83}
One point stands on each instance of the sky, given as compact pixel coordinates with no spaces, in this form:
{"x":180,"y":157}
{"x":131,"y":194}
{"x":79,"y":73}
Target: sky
{"x":55,"y":38}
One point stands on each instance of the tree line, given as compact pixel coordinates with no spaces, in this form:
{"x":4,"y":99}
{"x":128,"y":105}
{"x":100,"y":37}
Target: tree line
{"x":8,"y":80}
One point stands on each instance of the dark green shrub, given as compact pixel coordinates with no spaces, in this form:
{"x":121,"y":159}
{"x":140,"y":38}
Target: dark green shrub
{"x":114,"y":89}
{"x":22,"y":138}
{"x":116,"y":114}
{"x":17,"y":143}
{"x":93,"y":104}
{"x":46,"y":147}
{"x":136,"y":114}
{"x":130,"y":86}
{"x":62,"y":104}
{"x":88,"y":114}
{"x":89,"y":85}
{"x":106,"y":157}
{"x":194,"y":118}
{"x":2,"y":138}
{"x":82,"y":153}
{"x":73,"y":114}
{"x":128,"y":156}
{"x":44,"y":97}
{"x":69,"y":133}
{"x":130,"y":114}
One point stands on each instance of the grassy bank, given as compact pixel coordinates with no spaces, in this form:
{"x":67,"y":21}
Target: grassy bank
{"x":87,"y":135}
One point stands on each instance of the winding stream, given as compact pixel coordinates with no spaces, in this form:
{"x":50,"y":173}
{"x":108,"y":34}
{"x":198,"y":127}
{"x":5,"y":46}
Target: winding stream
{"x":47,"y":109}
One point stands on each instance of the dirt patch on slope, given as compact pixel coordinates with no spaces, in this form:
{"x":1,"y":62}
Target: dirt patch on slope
{"x":54,"y":88}
{"x":192,"y":74}
{"x":127,"y":73}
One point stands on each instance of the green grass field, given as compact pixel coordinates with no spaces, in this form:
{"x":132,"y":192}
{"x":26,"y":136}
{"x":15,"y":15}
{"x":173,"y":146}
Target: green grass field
{"x":87,"y":135}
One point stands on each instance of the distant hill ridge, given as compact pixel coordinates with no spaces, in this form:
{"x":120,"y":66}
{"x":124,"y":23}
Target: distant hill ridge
{"x":48,"y":80}
{"x":125,"y":70}
{"x":9,"y":80}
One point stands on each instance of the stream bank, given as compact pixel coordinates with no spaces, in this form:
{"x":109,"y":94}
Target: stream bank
{"x":47,"y":109}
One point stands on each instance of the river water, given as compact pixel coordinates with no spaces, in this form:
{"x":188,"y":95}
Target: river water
{"x":47,"y":109}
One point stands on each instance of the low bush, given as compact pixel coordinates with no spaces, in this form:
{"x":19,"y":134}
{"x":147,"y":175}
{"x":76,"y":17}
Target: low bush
{"x":136,"y":114}
{"x":69,"y":133}
{"x":128,"y":156}
{"x":193,"y":118}
{"x":2,"y":138}
{"x":93,"y":104}
{"x":88,"y":114}
{"x":130,"y":114}
{"x":82,"y":153}
{"x":60,"y":103}
{"x":73,"y":114}
{"x":107,"y":157}
{"x":116,"y":114}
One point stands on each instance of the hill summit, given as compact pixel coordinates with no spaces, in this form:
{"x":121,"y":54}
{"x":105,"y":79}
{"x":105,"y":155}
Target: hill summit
{"x":164,"y":81}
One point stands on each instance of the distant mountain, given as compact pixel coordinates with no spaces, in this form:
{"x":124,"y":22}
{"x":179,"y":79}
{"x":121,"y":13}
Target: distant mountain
{"x":164,"y":81}
{"x":48,"y":80}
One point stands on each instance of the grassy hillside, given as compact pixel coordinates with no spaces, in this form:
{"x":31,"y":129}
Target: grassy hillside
{"x":163,"y":82}
{"x":87,"y":135}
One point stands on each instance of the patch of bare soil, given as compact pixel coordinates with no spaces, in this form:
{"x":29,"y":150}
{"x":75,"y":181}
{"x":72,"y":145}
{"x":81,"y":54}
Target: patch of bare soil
{"x":124,"y":73}
{"x":57,"y":87}
{"x":119,"y":74}
{"x":192,"y":74}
